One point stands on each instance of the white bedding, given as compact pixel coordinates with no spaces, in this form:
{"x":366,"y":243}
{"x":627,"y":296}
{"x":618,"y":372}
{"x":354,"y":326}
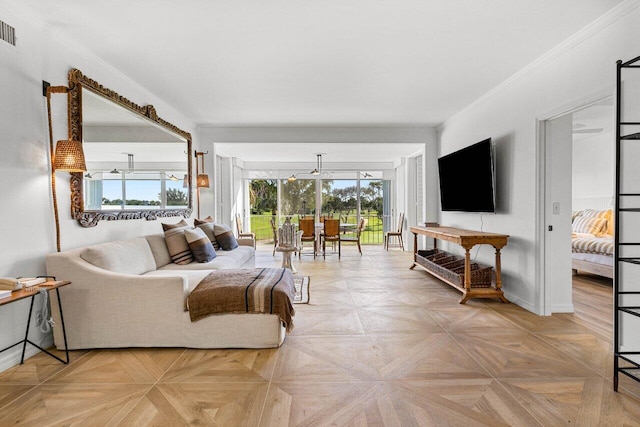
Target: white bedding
{"x":594,"y":258}
{"x":592,"y":245}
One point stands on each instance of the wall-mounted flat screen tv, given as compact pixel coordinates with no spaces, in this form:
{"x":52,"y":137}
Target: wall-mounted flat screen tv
{"x":467,"y":179}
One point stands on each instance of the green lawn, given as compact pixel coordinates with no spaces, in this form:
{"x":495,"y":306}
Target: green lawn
{"x":372,"y":233}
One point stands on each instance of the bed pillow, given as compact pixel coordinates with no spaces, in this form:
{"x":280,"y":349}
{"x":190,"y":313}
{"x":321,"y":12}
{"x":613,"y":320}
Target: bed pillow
{"x":593,"y":213}
{"x":200,"y":245}
{"x":575,"y":214}
{"x":225,"y":237}
{"x":606,"y":214}
{"x":589,"y":225}
{"x":177,"y":242}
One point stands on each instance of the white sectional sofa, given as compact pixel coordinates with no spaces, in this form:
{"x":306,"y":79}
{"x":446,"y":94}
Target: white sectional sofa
{"x":128,"y":293}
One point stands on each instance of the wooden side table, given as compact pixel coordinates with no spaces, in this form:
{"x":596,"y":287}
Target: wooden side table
{"x":31,"y":292}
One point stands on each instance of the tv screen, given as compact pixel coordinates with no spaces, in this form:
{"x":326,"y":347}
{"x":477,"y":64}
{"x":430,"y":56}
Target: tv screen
{"x":466,"y":179}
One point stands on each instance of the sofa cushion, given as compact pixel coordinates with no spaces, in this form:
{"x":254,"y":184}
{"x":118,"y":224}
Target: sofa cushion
{"x":177,"y":243}
{"x":225,"y":237}
{"x":200,"y":245}
{"x":159,"y":249}
{"x":130,"y":256}
{"x":224,"y":260}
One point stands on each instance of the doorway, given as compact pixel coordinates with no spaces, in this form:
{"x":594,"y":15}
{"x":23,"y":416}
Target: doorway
{"x":576,"y":152}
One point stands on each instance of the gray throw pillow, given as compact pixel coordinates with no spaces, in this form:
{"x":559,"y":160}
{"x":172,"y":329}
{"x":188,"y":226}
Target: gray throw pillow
{"x":208,"y":227}
{"x":225,"y":237}
{"x":200,"y":245}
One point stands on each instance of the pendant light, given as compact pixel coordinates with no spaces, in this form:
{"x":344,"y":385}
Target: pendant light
{"x":318,"y":170}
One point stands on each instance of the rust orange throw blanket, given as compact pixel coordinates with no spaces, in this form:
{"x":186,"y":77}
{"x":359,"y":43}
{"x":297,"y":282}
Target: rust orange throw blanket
{"x":260,"y":290}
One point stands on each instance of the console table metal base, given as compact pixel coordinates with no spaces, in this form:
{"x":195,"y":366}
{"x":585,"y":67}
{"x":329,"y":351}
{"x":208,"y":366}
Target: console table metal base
{"x":26,"y":339}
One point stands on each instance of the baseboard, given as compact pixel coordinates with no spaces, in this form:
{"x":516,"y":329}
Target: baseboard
{"x":522,"y":303}
{"x":562,"y":308}
{"x":11,"y":357}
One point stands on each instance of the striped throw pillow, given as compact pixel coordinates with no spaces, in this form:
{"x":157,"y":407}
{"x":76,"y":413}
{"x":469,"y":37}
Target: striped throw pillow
{"x":593,"y":213}
{"x":177,"y":242}
{"x":606,"y":214}
{"x":225,"y":237}
{"x":575,"y":214}
{"x":207,"y":226}
{"x":200,"y":245}
{"x":589,"y":225}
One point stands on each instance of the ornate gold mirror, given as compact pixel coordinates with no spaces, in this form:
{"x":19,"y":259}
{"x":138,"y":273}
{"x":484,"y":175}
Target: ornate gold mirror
{"x":138,"y":165}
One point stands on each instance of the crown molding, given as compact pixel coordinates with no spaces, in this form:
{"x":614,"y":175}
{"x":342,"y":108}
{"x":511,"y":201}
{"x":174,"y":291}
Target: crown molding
{"x":588,"y":31}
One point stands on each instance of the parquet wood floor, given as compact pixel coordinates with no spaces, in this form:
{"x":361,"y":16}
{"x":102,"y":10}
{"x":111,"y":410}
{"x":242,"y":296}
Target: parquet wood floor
{"x":377,"y":345}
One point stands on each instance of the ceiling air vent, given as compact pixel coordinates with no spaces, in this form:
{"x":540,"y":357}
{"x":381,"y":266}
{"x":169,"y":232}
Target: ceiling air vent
{"x":7,"y":33}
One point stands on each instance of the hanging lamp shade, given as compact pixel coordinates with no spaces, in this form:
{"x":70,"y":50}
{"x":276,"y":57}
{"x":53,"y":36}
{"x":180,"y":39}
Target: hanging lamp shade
{"x":69,"y":156}
{"x":202,"y":180}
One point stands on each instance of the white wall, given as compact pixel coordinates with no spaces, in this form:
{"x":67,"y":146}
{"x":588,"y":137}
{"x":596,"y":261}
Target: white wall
{"x":593,"y":170}
{"x":26,"y":217}
{"x":564,"y":79}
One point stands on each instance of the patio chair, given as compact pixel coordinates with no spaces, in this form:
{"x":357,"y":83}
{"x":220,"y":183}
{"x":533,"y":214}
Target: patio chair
{"x":275,"y":235}
{"x":242,"y":233}
{"x":398,"y":233}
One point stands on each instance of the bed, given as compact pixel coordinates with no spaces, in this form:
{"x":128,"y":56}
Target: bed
{"x":592,"y":242}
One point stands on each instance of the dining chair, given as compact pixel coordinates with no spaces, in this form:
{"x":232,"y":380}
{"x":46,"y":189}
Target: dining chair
{"x":355,"y":237}
{"x":397,"y":233}
{"x":331,"y":234}
{"x":275,"y":235}
{"x":308,"y":228}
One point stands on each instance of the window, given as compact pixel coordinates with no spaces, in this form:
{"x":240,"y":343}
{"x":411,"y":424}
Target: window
{"x":138,"y":190}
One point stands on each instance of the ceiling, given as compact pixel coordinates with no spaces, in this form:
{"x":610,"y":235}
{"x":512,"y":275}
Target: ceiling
{"x":593,"y":121}
{"x":317,"y":63}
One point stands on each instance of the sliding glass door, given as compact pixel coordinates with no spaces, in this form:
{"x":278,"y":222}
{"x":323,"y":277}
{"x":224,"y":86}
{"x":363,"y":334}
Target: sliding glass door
{"x":345,"y":199}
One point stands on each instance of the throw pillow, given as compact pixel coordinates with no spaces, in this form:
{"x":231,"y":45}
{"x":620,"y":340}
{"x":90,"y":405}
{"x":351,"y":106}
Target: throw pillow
{"x":591,"y":225}
{"x":197,"y":221}
{"x":593,"y":213}
{"x":575,"y":214}
{"x":208,"y":227}
{"x":225,"y":237}
{"x":182,"y":223}
{"x":177,"y":242}
{"x":200,"y":245}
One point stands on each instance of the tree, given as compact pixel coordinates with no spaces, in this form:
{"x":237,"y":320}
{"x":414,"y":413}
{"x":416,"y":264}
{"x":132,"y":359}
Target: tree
{"x":296,"y":194}
{"x":371,"y":197}
{"x":263,"y":195}
{"x":176,"y":197}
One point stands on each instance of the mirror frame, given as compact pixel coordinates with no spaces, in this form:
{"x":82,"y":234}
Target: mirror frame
{"x":77,"y":80}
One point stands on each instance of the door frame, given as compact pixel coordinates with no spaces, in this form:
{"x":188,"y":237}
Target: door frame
{"x":542,"y":296}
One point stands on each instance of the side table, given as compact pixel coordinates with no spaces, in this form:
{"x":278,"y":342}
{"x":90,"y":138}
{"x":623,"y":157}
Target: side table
{"x":31,"y":292}
{"x":286,"y":257}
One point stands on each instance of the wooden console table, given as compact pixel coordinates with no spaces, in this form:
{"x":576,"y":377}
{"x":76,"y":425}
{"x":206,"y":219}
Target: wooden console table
{"x":467,"y":239}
